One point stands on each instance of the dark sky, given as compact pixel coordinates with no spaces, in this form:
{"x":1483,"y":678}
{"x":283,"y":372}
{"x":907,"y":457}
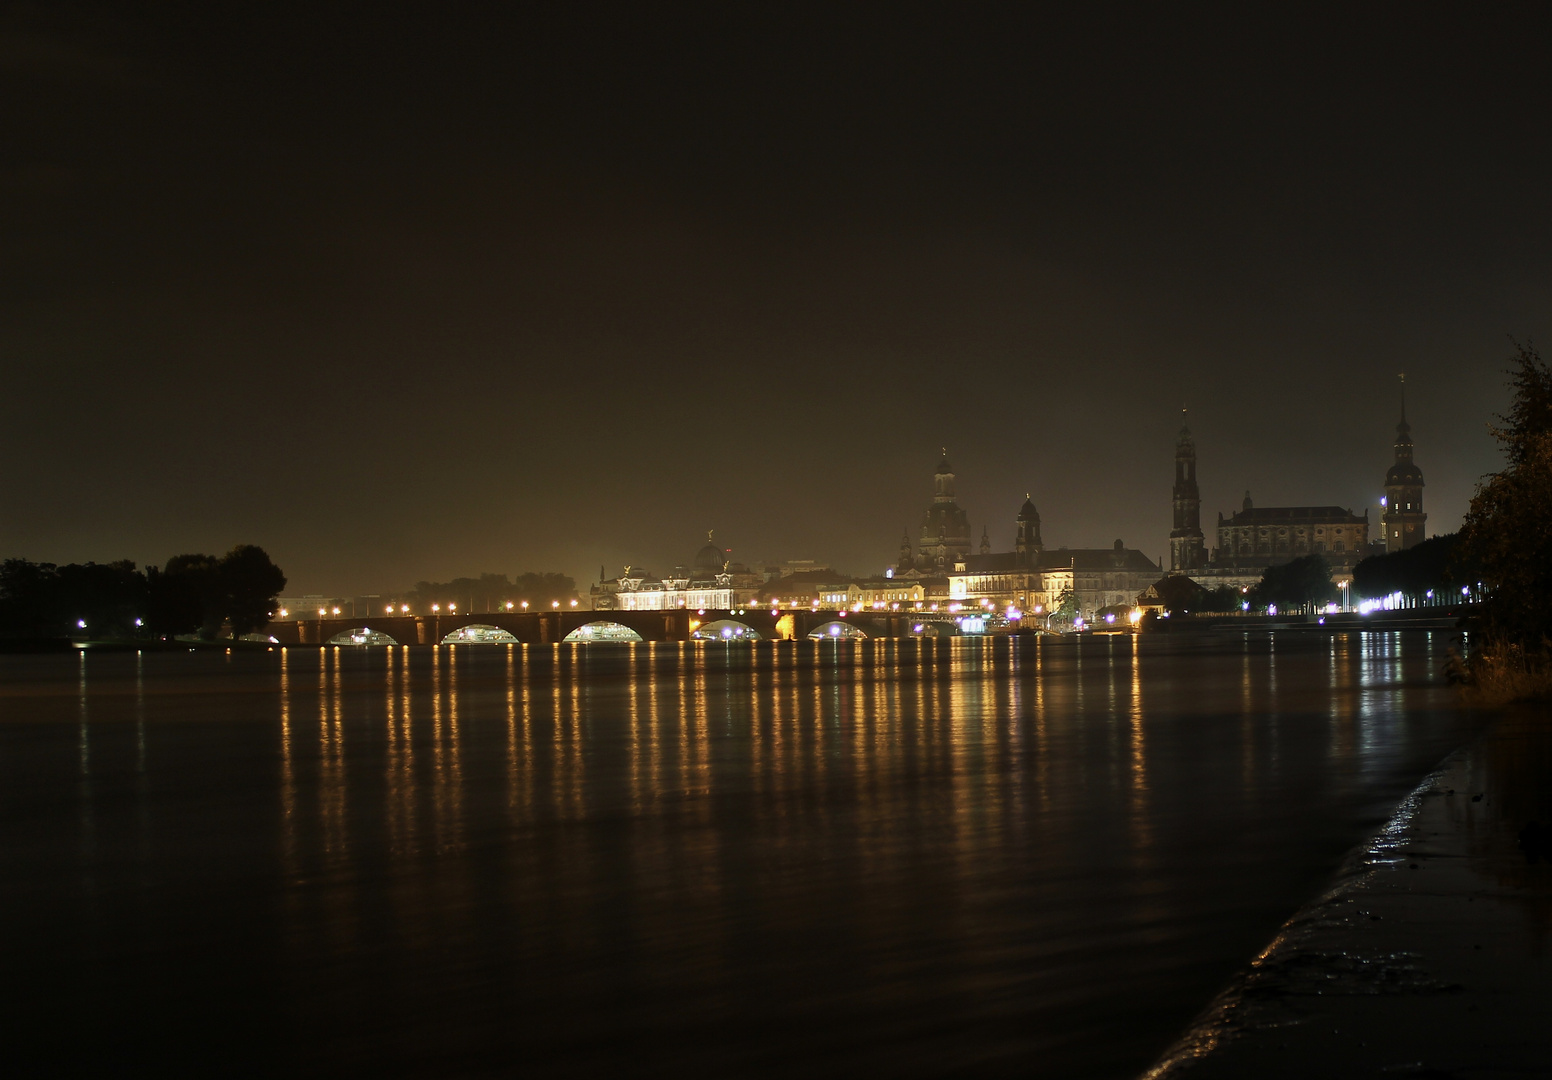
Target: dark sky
{"x":419,"y":295}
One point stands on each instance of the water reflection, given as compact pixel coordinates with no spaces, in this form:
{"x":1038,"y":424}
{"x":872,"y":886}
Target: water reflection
{"x":899,"y":856}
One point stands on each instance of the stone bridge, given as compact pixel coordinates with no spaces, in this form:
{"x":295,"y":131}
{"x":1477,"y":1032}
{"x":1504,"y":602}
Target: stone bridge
{"x":548,"y":627}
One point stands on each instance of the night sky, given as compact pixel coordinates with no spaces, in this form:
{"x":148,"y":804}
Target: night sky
{"x":412,"y":296}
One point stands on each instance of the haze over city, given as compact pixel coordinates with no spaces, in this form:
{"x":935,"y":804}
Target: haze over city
{"x":402,"y":296}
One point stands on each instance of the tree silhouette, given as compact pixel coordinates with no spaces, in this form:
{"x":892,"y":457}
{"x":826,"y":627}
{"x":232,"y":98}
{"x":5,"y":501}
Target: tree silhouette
{"x":1507,"y":536}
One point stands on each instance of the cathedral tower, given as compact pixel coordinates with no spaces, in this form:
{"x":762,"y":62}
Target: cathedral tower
{"x":1403,"y":518}
{"x":945,"y":528}
{"x":1186,"y":550}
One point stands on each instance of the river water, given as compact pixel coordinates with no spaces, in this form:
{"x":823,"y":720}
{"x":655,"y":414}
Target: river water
{"x":905,"y":858}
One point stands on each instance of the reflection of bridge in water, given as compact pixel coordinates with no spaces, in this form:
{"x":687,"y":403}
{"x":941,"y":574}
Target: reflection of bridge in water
{"x":548,"y":627}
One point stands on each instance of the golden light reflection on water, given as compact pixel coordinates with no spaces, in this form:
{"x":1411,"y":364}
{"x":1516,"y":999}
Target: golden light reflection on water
{"x":1141,"y":820}
{"x":287,"y":773}
{"x":332,"y":781}
{"x":626,"y":825}
{"x":978,"y":728}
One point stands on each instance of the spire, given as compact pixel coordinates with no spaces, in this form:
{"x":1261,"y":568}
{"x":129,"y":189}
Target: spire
{"x":986,"y":542}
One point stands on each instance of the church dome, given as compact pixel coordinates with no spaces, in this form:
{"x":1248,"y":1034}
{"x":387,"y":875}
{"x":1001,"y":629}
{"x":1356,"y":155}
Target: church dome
{"x":1404,"y":473}
{"x":709,"y":559}
{"x":1027,"y":512}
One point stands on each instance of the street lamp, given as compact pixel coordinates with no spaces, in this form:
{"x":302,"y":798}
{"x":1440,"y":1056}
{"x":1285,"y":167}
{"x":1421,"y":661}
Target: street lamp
{"x":525,"y":605}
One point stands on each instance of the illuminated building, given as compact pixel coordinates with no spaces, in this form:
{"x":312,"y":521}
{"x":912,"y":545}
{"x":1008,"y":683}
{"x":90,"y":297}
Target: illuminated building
{"x":945,"y":529}
{"x":1254,"y":538}
{"x":710,"y":582}
{"x":1032,"y":579}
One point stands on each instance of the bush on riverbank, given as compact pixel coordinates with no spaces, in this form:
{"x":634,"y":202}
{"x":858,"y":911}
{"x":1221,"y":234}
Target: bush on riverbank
{"x":1502,"y":672}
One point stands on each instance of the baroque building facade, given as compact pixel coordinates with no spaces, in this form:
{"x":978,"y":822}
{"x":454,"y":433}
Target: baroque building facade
{"x":1033,"y":579}
{"x":710,"y":582}
{"x":1255,"y":538}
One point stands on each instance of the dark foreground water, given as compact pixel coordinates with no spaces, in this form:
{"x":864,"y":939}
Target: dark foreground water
{"x":888,"y":858}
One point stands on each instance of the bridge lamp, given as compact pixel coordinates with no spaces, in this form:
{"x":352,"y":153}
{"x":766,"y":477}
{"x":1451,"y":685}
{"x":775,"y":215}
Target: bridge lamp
{"x":322,"y":612}
{"x":390,"y":609}
{"x":81,"y":623}
{"x":336,"y":611}
{"x":509,"y":605}
{"x":436,"y":607}
{"x":554,"y":603}
{"x":284,"y":613}
{"x":573,"y":603}
{"x":452,"y":608}
{"x":525,"y":605}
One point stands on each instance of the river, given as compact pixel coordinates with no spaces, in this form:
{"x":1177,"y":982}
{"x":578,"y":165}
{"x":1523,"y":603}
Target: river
{"x":906,"y":858}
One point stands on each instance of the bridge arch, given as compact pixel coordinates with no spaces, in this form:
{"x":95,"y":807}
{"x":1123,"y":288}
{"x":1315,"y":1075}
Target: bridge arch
{"x":360,"y":635}
{"x":725,"y":630}
{"x":837,"y":630}
{"x":480,"y":634}
{"x":602,"y":630}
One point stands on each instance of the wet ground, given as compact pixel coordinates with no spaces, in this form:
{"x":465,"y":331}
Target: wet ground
{"x":1430,"y":957}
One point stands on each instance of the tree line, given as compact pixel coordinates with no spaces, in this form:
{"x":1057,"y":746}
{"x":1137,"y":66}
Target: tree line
{"x":492,"y":592}
{"x":1507,"y":537}
{"x":191,"y":594}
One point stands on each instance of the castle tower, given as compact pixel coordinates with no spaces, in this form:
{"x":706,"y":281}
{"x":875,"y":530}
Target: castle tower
{"x":1403,"y":519}
{"x":986,"y":542}
{"x":1186,"y":547}
{"x":1026,"y":545}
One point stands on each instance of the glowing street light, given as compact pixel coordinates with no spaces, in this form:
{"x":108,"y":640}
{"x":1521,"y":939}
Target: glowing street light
{"x":322,"y":612}
{"x":336,"y":611}
{"x":436,"y":607}
{"x":554,"y":603}
{"x":509,"y":605}
{"x":525,"y":605}
{"x":284,"y":613}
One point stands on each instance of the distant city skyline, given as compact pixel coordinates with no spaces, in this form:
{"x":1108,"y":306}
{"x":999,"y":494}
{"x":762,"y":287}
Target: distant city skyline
{"x":409,"y":298}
